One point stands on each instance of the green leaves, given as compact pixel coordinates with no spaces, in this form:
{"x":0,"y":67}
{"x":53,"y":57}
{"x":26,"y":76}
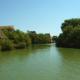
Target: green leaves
{"x":6,"y":45}
{"x":18,"y":39}
{"x":70,"y":36}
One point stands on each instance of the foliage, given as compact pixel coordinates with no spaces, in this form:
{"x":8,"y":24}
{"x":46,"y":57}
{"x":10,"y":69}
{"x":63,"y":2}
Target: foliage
{"x":20,"y":45}
{"x":70,"y":36}
{"x":54,"y":38}
{"x":6,"y":45}
{"x":39,"y":38}
{"x":12,"y":38}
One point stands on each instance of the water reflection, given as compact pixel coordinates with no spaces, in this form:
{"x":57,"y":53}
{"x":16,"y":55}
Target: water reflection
{"x":40,"y":62}
{"x":21,"y":54}
{"x":70,"y":54}
{"x":71,"y":63}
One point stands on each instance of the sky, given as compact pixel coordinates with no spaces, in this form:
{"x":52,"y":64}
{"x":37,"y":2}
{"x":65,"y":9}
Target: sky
{"x":42,"y":16}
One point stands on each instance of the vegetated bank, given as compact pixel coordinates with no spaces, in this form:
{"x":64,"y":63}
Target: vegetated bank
{"x":15,"y":39}
{"x":70,"y":36}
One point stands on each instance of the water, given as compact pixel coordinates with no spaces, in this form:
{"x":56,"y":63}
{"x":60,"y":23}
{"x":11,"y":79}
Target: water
{"x":40,"y":62}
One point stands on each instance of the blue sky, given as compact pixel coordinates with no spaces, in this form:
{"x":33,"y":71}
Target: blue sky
{"x":43,"y":16}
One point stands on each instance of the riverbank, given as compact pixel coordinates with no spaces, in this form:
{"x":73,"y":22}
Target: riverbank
{"x":15,"y":39}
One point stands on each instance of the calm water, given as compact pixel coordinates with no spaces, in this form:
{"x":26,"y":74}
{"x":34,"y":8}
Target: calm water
{"x":40,"y":62}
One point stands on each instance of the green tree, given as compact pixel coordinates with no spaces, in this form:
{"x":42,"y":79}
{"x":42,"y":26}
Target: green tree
{"x":70,"y":36}
{"x":6,"y":45}
{"x":54,"y":38}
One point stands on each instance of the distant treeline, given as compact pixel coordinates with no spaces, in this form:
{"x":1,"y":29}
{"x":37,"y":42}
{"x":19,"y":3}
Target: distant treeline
{"x":70,"y":36}
{"x":16,"y":39}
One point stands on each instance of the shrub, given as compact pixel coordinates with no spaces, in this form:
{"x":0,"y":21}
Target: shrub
{"x":6,"y":45}
{"x":20,"y":45}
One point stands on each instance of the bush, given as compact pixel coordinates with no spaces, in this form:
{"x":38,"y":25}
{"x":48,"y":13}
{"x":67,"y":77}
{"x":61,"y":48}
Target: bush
{"x":6,"y":45}
{"x":27,"y":40}
{"x":20,"y":45}
{"x":70,"y":36}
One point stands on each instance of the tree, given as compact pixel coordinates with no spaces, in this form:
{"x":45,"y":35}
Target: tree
{"x":11,"y":38}
{"x":54,"y":38}
{"x":39,"y":38}
{"x":6,"y":45}
{"x":70,"y":36}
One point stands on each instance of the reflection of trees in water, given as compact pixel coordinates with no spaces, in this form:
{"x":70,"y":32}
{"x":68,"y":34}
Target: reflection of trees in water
{"x":40,"y":46}
{"x":70,"y":62}
{"x":22,"y":54}
{"x":70,"y":55}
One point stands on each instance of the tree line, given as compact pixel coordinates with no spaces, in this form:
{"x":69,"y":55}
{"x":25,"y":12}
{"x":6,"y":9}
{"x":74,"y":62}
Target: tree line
{"x":16,"y":39}
{"x":70,"y":36}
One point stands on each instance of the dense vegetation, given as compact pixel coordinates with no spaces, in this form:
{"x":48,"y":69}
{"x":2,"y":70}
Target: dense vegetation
{"x":70,"y":36}
{"x":16,"y":39}
{"x":39,"y":38}
{"x":54,"y":38}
